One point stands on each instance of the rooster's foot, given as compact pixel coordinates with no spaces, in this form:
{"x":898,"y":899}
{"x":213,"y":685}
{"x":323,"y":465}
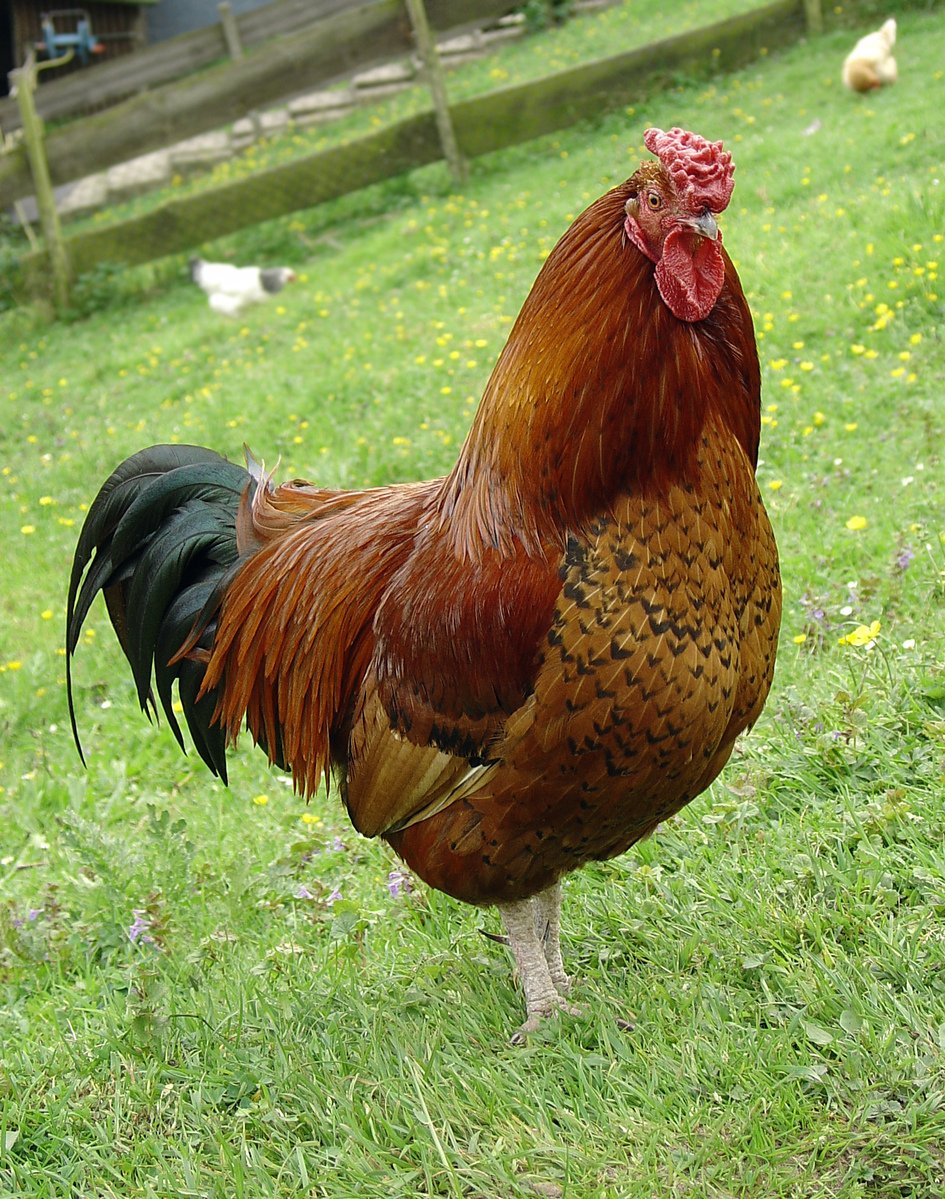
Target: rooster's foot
{"x":534,"y":926}
{"x":563,"y":983}
{"x":552,"y":1007}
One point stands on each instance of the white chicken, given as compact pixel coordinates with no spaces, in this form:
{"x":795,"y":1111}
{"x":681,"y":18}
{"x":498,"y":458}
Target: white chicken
{"x":870,"y":63}
{"x":230,"y":288}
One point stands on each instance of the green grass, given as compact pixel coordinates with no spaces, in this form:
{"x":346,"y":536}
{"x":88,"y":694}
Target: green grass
{"x":778,"y":945}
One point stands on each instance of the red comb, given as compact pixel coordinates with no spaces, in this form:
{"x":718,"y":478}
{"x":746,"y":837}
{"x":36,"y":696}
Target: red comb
{"x":701,"y":171}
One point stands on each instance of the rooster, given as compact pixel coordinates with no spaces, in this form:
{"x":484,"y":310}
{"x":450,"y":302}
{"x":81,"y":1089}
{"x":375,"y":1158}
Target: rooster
{"x":870,"y":63}
{"x":231,"y":288}
{"x":526,"y":665}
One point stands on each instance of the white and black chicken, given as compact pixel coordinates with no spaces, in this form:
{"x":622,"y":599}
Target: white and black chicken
{"x":231,"y":288}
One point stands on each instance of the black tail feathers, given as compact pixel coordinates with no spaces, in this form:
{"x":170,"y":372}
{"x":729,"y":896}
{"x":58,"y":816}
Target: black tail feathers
{"x":159,"y":542}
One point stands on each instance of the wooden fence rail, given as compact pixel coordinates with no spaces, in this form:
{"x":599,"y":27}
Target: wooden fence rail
{"x":491,"y":122}
{"x":109,"y":82}
{"x":352,"y":38}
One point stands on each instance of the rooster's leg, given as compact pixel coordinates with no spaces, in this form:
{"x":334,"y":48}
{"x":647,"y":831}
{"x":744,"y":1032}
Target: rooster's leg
{"x":541,"y":995}
{"x":548,"y":925}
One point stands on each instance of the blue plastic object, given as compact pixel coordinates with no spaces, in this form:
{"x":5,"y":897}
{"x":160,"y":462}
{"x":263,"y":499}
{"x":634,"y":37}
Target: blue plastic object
{"x":81,"y":40}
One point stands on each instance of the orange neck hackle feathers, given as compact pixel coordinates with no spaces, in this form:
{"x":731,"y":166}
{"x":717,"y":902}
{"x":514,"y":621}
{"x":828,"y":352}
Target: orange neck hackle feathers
{"x":601,"y":387}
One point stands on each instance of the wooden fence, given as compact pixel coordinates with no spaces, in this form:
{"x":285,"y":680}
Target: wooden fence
{"x":491,"y":122}
{"x":107,"y":83}
{"x":352,"y":38}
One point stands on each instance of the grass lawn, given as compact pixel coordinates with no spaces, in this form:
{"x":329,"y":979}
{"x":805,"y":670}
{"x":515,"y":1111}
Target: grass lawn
{"x":217,"y":993}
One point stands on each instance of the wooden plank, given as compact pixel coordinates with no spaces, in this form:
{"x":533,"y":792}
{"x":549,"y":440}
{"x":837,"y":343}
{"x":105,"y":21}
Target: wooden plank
{"x":285,"y":16}
{"x":110,"y":82}
{"x":352,"y":38}
{"x":184,"y":223}
{"x":107,"y":82}
{"x":24,"y":81}
{"x":483,"y":124}
{"x":517,"y":114}
{"x":426,"y":45}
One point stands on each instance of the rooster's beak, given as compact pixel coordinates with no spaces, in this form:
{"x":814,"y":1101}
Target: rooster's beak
{"x":706,"y":225}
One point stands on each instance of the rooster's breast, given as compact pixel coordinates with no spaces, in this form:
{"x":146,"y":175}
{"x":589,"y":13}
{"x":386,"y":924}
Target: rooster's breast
{"x":660,"y":651}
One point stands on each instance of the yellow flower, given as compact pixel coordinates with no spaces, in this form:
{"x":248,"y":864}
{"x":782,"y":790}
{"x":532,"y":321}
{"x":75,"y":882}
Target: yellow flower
{"x":260,"y":800}
{"x":776,"y":484}
{"x":800,"y":638}
{"x":857,"y":522}
{"x":27,"y":529}
{"x":310,"y":818}
{"x":862,"y":635}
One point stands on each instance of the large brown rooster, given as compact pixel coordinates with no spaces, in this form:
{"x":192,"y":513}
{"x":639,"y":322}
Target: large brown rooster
{"x":530,"y":663}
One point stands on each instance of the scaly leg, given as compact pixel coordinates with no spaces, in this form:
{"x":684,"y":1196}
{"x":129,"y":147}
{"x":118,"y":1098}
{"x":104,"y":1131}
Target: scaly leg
{"x":548,"y":924}
{"x":541,"y":995}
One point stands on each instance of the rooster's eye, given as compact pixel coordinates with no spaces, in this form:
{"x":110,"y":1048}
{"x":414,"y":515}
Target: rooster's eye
{"x":654,"y":200}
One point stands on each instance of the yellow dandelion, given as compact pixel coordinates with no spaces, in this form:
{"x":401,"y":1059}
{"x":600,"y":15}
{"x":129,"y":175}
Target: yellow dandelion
{"x":260,"y":800}
{"x":855,"y":523}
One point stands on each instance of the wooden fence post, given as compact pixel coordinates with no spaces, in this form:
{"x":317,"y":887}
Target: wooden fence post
{"x":434,"y":73}
{"x":231,"y":31}
{"x":815,"y":16}
{"x":25,"y":80}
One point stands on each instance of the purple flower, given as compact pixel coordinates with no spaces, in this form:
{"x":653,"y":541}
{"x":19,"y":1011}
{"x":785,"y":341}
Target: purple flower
{"x":905,"y":558}
{"x":338,"y":845}
{"x":302,"y":892}
{"x":31,"y":915}
{"x":333,"y":897}
{"x":399,"y":880}
{"x":139,"y":929}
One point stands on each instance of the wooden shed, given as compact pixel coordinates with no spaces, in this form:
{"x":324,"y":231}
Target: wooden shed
{"x":119,"y":25}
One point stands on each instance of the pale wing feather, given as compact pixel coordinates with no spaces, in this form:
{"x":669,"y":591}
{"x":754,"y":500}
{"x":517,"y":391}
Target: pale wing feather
{"x":392,"y":783}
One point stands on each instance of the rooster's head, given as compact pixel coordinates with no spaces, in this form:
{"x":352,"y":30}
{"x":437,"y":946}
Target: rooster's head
{"x":671,"y":213}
